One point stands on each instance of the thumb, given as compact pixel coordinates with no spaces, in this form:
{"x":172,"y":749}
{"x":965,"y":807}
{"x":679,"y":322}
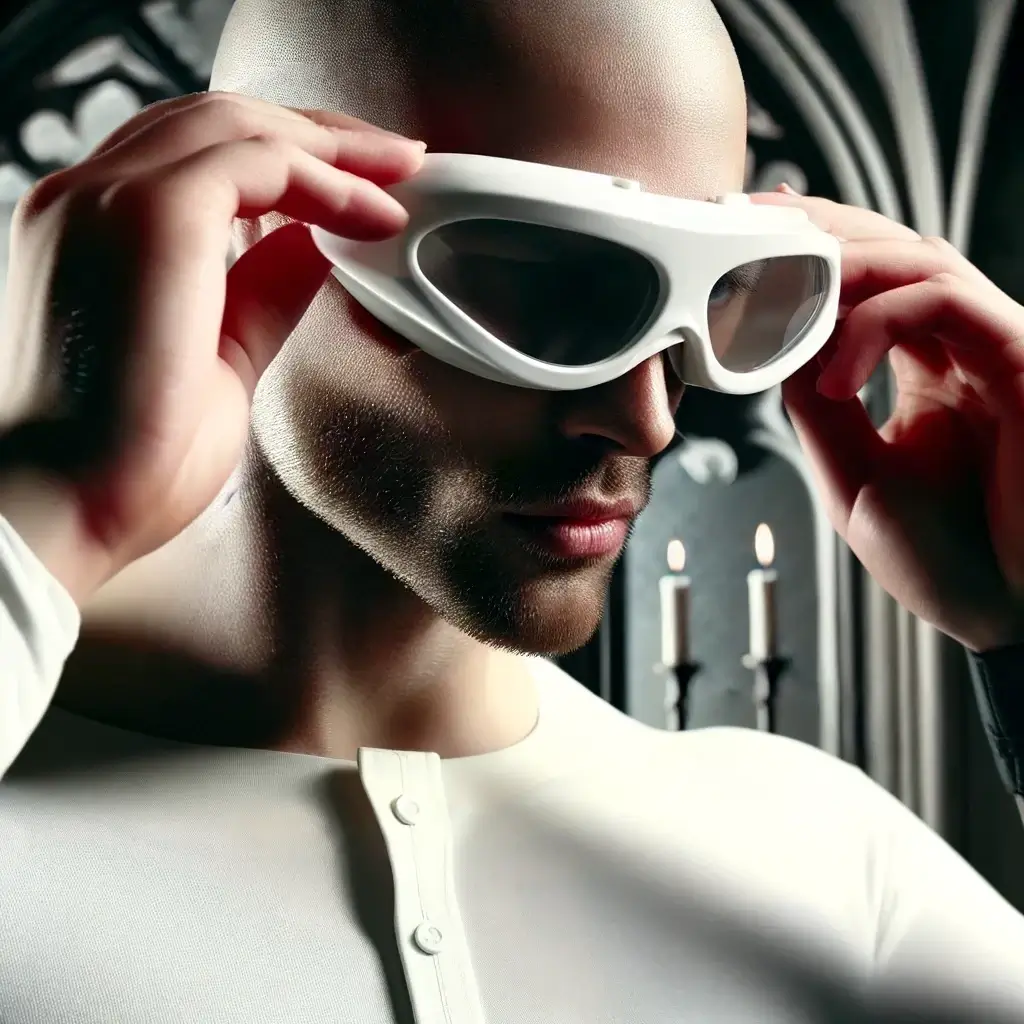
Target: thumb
{"x":842,"y":446}
{"x":269,"y":289}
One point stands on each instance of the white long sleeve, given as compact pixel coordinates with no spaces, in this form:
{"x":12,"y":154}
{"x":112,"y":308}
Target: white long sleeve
{"x":39,"y":624}
{"x":950,"y":948}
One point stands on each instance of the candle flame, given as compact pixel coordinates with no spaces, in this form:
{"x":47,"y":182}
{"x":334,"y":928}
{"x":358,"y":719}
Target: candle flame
{"x":676,"y":555}
{"x":764,"y":544}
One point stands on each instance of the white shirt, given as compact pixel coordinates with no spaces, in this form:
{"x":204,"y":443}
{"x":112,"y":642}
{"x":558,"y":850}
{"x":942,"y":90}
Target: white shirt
{"x":598,"y":872}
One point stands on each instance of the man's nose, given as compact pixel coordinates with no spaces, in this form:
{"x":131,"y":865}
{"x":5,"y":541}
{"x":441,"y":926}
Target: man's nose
{"x":636,"y":411}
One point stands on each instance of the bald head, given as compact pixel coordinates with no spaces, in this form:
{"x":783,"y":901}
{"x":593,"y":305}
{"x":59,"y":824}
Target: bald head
{"x":649,"y":89}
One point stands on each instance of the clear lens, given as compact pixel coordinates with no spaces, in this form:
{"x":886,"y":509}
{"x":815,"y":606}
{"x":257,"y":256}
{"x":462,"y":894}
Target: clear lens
{"x":759,"y":309}
{"x":562,"y":297}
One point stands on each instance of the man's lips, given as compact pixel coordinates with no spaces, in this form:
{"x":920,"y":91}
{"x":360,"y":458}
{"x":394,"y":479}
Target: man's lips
{"x":589,"y":510}
{"x":578,"y":531}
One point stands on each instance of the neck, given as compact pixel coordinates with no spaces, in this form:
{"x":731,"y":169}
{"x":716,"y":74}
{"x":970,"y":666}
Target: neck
{"x":263,"y":627}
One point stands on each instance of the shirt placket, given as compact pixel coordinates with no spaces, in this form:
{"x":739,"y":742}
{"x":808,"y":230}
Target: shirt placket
{"x":406,"y":791}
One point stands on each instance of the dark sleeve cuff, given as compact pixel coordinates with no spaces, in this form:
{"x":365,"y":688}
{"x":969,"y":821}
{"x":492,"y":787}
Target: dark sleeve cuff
{"x":998,"y":677}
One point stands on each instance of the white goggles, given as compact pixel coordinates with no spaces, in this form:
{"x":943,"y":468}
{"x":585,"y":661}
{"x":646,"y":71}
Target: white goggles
{"x":557,"y":279}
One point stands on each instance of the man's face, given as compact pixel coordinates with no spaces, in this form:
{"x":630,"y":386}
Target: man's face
{"x":424,"y":466}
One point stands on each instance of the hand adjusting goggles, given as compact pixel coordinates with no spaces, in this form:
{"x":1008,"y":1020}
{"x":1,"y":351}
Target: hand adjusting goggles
{"x":557,"y":279}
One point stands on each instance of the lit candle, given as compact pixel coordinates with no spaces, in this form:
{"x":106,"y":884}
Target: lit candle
{"x":675,"y":609}
{"x":761,"y":585}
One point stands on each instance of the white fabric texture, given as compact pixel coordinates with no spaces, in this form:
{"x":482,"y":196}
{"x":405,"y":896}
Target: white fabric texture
{"x":598,"y":872}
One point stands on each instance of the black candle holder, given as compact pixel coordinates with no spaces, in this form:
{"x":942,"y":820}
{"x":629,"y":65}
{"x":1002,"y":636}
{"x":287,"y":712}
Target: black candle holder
{"x":767,"y":673}
{"x":684,"y":676}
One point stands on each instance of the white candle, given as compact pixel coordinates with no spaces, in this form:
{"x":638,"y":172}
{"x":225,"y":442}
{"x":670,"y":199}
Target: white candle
{"x":761,"y":593}
{"x":761,"y":600}
{"x":675,"y":620}
{"x":674,"y":591}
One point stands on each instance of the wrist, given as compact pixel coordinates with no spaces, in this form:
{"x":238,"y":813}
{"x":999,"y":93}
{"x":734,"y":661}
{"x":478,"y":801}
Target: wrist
{"x":996,"y":638}
{"x":47,"y":516}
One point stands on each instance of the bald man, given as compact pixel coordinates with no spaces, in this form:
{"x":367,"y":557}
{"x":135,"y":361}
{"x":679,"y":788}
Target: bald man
{"x":308,"y":761}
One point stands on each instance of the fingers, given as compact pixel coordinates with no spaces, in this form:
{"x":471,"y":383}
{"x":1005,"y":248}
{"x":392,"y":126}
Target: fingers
{"x":145,"y":117}
{"x":201,"y":194}
{"x":981,"y":334}
{"x":173,"y":229}
{"x":194,"y":101}
{"x":332,"y":119}
{"x":379,"y":157}
{"x":871,"y":266}
{"x":269,"y":289}
{"x":845,"y":222}
{"x":843,"y":448}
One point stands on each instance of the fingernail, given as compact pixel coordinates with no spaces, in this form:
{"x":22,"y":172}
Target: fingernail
{"x":375,"y":133}
{"x":377,"y":130}
{"x":411,"y":142}
{"x":832,"y":387}
{"x":784,"y":186}
{"x":406,"y":138}
{"x":392,"y":205}
{"x":419,"y":143}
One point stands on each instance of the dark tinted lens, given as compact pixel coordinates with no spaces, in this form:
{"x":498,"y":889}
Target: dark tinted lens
{"x":561,"y":297}
{"x":758,"y":309}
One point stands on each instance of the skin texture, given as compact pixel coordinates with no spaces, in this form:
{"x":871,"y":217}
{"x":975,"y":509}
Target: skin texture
{"x":355,"y":584}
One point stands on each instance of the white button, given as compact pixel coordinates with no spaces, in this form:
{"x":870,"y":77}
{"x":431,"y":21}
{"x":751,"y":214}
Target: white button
{"x":428,"y":938}
{"x":406,"y":810}
{"x":625,"y":183}
{"x":733,"y":199}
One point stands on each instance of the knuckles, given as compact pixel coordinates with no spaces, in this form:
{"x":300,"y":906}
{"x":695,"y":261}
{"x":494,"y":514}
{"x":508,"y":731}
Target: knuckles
{"x":948,"y":287}
{"x":128,"y":200}
{"x":237,"y":120}
{"x":942,"y":246}
{"x":233,"y":118}
{"x":43,"y":194}
{"x":219,"y":97}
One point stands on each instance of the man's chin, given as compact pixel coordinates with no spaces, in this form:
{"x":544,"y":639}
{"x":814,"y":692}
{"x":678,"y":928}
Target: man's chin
{"x":550,"y":618}
{"x":541,"y":643}
{"x":549,"y":646}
